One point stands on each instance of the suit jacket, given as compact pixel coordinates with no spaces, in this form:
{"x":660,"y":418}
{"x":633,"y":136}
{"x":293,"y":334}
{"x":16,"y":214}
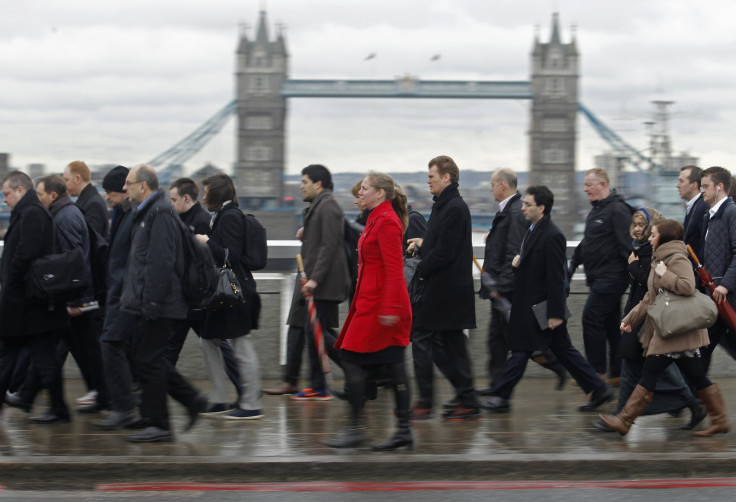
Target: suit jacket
{"x":323,"y":248}
{"x":694,"y":224}
{"x":381,"y":288}
{"x":93,"y":207}
{"x":503,"y":243}
{"x":539,"y":277}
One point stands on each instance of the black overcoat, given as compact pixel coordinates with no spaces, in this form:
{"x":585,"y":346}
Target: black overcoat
{"x":448,"y":302}
{"x":30,"y":235}
{"x":228,"y":232}
{"x":540,"y":276}
{"x":118,"y":325}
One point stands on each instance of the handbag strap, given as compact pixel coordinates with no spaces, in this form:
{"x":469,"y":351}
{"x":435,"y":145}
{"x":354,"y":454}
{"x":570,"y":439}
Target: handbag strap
{"x":226,"y":262}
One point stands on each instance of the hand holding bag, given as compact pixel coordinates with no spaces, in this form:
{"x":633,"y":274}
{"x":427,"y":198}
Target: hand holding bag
{"x":227,"y":292}
{"x":673,"y":314}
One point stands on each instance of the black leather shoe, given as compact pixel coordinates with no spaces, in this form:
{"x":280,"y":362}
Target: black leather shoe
{"x":598,"y":400}
{"x":116,"y":420}
{"x":496,"y":405}
{"x":199,"y":405}
{"x":91,"y":408}
{"x":485,"y":391}
{"x":351,"y":438}
{"x":697,"y":415}
{"x":401,"y":437}
{"x":151,"y":435}
{"x":15,"y":401}
{"x":451,"y":403}
{"x":562,"y":378}
{"x":50,"y":418}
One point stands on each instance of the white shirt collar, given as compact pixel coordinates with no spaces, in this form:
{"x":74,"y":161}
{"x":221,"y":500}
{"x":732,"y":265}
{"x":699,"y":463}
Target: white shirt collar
{"x":690,"y":204}
{"x":502,"y":204}
{"x":712,"y":212}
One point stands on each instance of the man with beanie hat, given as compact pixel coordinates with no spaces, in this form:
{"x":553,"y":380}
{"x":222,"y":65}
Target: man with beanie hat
{"x":118,"y":325}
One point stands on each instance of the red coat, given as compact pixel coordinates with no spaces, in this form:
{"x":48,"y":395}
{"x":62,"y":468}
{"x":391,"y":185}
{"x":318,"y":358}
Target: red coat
{"x":381,"y":288}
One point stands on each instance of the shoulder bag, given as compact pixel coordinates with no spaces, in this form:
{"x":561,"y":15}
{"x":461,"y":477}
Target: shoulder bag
{"x":673,"y":314}
{"x":227,"y":292}
{"x":413,"y":281}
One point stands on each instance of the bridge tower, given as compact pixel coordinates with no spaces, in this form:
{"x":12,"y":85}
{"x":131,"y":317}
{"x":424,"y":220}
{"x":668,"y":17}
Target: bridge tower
{"x":261,"y":67}
{"x":553,"y":128}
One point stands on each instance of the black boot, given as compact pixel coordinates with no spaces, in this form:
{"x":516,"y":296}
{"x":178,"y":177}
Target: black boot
{"x":547,"y":360}
{"x":353,"y":436}
{"x":402,"y":437}
{"x":697,"y":415}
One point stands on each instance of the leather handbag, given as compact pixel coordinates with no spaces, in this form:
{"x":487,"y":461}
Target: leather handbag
{"x":227,"y":292}
{"x":414,"y":282}
{"x":673,"y":314}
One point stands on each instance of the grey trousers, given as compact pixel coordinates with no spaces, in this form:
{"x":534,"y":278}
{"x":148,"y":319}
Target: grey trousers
{"x":250,"y":373}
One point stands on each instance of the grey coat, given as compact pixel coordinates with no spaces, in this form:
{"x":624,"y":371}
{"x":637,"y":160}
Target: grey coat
{"x":323,"y":248}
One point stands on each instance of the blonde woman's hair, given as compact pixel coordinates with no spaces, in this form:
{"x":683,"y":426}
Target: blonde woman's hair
{"x":382,"y":181}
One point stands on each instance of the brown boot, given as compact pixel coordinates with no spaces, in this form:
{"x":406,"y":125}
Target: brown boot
{"x":713,"y":402}
{"x":622,"y":422}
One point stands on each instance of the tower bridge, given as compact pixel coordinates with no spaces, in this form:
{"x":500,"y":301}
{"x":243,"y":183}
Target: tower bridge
{"x":263,"y":88}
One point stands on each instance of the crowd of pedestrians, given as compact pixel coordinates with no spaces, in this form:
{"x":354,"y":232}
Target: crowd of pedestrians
{"x":126,"y":330}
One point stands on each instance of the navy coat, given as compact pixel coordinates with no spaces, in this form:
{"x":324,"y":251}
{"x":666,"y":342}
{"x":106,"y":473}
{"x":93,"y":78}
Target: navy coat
{"x":540,"y":276}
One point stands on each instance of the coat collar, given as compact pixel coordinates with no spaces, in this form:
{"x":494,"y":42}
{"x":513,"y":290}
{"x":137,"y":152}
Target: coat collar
{"x":324,"y":194}
{"x":531,"y":238}
{"x":449,"y":193}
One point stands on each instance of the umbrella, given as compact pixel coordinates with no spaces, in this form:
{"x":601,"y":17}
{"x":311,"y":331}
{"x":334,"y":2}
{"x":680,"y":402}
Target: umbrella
{"x":724,"y":308}
{"x":502,"y":304}
{"x":319,"y":340}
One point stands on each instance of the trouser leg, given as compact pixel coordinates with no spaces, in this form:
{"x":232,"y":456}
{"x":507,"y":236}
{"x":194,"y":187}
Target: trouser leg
{"x":515,"y":367}
{"x":250,"y":373}
{"x":215,"y":366}
{"x":116,"y":365}
{"x":497,"y":346}
{"x":294,"y":349}
{"x":601,"y":317}
{"x":421,"y":348}
{"x":151,"y":367}
{"x":456,"y":353}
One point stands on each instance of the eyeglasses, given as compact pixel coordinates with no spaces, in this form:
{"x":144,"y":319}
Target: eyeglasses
{"x":130,"y":183}
{"x":528,"y":204}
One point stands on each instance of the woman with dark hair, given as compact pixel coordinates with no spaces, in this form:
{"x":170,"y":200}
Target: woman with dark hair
{"x":670,"y":269}
{"x":376,"y":331}
{"x":672,"y":393}
{"x":232,"y":324}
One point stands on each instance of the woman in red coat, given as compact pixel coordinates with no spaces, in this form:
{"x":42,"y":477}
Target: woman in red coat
{"x":377,"y":328}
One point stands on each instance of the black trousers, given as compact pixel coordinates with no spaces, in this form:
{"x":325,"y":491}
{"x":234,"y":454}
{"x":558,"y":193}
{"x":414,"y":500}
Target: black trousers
{"x":42,"y":350}
{"x":448,"y":350}
{"x":295,"y":340}
{"x":116,"y":362}
{"x":317,"y":375}
{"x":180,"y":330}
{"x":155,"y":373}
{"x":601,"y":322}
{"x":572,"y":360}
{"x":719,"y":334}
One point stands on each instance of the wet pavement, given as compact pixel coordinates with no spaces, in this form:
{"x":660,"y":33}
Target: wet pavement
{"x":544,"y":437}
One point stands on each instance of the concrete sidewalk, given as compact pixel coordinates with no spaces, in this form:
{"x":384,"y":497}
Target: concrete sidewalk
{"x":544,"y":437}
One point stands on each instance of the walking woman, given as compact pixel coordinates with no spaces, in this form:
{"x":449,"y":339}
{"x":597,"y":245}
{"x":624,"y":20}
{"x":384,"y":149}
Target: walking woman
{"x":232,"y":324}
{"x":672,"y":393}
{"x":376,"y":331}
{"x":670,"y":269}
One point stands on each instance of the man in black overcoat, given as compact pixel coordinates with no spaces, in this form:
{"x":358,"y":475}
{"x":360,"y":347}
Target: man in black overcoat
{"x":539,"y":276}
{"x":448,"y":303}
{"x":23,"y":323}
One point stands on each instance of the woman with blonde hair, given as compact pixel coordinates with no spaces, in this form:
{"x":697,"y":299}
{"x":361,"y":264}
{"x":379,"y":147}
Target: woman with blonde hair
{"x":376,"y":331}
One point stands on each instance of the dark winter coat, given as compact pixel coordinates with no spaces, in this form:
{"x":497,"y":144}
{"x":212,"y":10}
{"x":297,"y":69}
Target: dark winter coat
{"x":228,"y":232}
{"x":719,"y":247}
{"x":417,"y":227}
{"x":118,"y":325}
{"x":152,"y":286}
{"x":448,"y":302}
{"x":30,"y":235}
{"x":197,"y":219}
{"x":604,"y":250}
{"x":540,"y":276}
{"x":94,"y":209}
{"x":630,"y":347}
{"x":70,"y":229}
{"x":502,"y":244}
{"x":323,"y":248}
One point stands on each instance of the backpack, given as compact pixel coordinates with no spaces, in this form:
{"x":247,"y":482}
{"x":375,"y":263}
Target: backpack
{"x":255,"y":250}
{"x":57,"y":278}
{"x":200,"y":273}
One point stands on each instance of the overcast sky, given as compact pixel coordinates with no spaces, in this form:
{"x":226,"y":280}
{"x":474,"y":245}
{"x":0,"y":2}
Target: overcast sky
{"x":113,"y":81}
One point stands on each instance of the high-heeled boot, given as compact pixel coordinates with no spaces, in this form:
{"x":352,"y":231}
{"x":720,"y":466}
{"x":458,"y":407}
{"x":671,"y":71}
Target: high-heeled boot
{"x":634,"y":406}
{"x":713,"y":401}
{"x":352,"y":436}
{"x":547,"y":360}
{"x":403,"y":435}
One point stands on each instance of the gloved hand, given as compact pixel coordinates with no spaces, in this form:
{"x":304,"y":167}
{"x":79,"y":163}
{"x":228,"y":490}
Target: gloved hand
{"x":487,"y":281}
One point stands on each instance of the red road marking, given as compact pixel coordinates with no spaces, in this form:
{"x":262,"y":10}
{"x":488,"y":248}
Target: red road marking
{"x":336,"y":486}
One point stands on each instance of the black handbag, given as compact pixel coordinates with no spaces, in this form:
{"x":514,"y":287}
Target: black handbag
{"x":57,"y":278}
{"x":414,"y":282}
{"x":227,"y":291}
